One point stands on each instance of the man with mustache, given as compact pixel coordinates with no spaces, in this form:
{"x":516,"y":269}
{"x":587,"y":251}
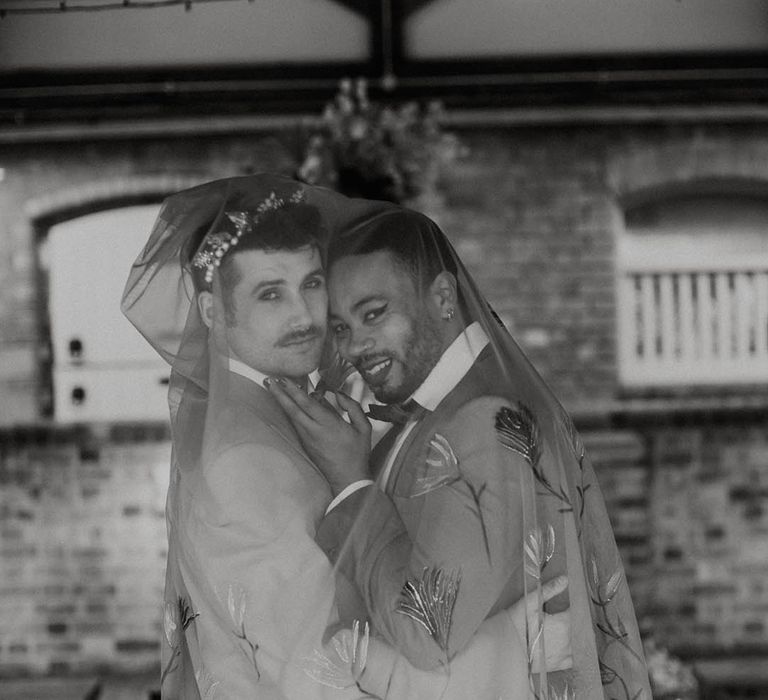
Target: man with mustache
{"x":245,"y":580}
{"x":479,"y":492}
{"x":249,"y":595}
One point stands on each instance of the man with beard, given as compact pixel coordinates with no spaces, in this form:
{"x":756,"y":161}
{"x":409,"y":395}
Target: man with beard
{"x":478,"y":494}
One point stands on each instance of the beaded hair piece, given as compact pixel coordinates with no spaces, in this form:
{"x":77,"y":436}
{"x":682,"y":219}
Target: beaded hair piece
{"x":216,"y":245}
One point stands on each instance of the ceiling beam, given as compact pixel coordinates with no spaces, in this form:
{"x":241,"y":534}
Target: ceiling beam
{"x":410,"y":6}
{"x":360,"y":7}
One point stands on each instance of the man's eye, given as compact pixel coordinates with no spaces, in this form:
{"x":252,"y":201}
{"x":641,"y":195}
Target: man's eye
{"x":315,"y":283}
{"x":339,"y":329}
{"x":373,"y":314}
{"x":269,"y":295}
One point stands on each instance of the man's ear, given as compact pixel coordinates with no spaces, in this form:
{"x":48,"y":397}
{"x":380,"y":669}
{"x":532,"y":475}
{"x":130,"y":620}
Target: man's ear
{"x":205,"y":307}
{"x":444,"y":295}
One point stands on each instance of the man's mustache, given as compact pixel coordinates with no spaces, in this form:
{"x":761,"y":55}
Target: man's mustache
{"x":300,"y":336}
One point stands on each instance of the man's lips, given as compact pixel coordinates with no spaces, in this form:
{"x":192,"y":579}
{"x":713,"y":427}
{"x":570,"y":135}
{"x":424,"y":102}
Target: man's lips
{"x":375,"y":372}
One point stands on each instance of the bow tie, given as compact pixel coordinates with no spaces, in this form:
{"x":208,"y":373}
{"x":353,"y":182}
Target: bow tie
{"x":396,"y":413}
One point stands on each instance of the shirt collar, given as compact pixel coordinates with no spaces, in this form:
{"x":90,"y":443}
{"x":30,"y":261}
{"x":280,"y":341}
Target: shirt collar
{"x":258,"y":377}
{"x":450,"y":369}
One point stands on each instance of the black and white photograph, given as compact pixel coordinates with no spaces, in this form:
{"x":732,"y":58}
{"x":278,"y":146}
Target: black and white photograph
{"x":384,"y":350}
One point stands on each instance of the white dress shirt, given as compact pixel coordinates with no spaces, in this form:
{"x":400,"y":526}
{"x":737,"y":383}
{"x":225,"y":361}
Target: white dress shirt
{"x":255,"y":375}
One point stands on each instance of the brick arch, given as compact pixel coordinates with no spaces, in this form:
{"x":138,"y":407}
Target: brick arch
{"x":704,"y":161}
{"x":99,"y":195}
{"x":736,"y":187}
{"x":42,"y":212}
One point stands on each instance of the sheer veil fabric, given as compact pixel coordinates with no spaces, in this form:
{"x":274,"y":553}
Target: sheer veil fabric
{"x":479,"y":500}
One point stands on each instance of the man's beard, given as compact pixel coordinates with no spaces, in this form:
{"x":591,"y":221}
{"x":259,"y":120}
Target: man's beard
{"x":422,"y":351}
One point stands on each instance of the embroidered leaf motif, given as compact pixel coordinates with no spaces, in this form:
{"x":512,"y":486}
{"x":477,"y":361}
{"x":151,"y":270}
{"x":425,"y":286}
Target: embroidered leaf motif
{"x":170,"y":624}
{"x":539,"y":548}
{"x":237,"y":605}
{"x":607,"y":674}
{"x":572,"y":435}
{"x":602,"y":595}
{"x":206,"y":684}
{"x":518,"y":431}
{"x":441,"y":468}
{"x":613,"y":629}
{"x":186,"y":614}
{"x":175,"y":614}
{"x":351,"y":648}
{"x":613,"y":585}
{"x":577,"y":446}
{"x":567,"y":693}
{"x":430,"y":601}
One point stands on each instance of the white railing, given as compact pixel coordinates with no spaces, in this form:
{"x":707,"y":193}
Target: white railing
{"x":694,"y":326}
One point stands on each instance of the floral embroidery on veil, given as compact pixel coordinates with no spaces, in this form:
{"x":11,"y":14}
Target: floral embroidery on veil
{"x":176,"y":615}
{"x":351,"y":654}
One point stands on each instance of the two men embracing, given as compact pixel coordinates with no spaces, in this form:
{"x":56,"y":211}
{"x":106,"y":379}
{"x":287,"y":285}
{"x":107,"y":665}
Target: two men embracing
{"x":467,"y":556}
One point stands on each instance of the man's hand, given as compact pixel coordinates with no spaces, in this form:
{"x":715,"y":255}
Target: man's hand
{"x":339,"y":449}
{"x":556,"y":627}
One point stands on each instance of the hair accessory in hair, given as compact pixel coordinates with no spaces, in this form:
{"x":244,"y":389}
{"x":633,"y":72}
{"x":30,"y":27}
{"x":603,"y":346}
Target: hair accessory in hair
{"x":216,"y":245}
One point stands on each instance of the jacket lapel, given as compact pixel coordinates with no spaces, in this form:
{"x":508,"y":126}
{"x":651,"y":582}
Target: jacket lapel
{"x":478,"y":381}
{"x":259,"y":401}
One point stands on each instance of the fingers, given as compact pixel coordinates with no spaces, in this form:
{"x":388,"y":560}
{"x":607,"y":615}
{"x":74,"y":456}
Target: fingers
{"x":554,"y":587}
{"x":292,"y":408}
{"x":318,"y":396}
{"x":548,"y":591}
{"x":354,"y":410}
{"x":557,"y":641}
{"x":295,"y":401}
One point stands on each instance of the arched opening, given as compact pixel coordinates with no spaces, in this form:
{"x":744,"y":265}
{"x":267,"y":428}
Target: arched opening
{"x":98,"y":368}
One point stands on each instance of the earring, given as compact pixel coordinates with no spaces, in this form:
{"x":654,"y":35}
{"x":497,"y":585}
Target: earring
{"x":449,"y":314}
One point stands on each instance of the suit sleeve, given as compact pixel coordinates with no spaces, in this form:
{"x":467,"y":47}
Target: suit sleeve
{"x":463,"y":541}
{"x":270,"y":587}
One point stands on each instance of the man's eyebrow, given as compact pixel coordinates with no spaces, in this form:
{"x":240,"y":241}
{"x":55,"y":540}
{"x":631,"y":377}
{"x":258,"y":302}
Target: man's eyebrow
{"x":356,"y":305}
{"x":366,"y":300}
{"x":317,"y":271}
{"x":267,"y":283}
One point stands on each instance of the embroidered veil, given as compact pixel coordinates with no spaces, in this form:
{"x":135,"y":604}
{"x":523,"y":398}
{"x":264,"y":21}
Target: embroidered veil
{"x":490,"y":495}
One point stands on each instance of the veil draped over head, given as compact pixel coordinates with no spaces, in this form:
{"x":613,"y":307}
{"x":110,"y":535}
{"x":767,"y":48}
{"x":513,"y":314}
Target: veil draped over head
{"x":405,"y":589}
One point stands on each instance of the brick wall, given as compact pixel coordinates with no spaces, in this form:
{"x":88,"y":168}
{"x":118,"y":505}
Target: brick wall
{"x":689,"y":508}
{"x":534,"y":212}
{"x":709,"y":508}
{"x":82,"y":544}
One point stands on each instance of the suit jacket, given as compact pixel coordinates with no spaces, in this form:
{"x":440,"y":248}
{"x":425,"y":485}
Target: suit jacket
{"x":451,"y":517}
{"x":248,"y":592}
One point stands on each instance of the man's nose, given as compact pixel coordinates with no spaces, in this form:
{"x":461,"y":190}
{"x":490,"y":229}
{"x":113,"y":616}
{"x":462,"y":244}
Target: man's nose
{"x":301,"y":314}
{"x":359,"y":344}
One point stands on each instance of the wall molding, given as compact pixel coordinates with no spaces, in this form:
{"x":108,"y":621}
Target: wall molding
{"x":455,"y":118}
{"x":97,"y":193}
